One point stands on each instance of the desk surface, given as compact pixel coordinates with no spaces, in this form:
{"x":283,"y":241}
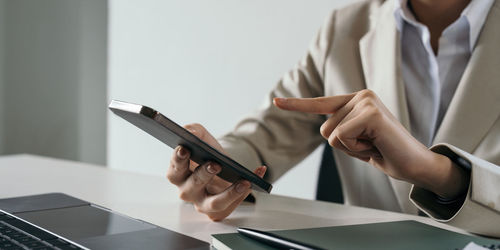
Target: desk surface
{"x":155,"y":200}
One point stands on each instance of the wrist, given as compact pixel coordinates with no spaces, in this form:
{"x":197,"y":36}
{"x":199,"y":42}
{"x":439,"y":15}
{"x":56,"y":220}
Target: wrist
{"x":443,"y":177}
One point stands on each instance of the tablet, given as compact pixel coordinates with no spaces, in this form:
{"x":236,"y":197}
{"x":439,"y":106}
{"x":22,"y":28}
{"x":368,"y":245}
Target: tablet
{"x":170,"y":133}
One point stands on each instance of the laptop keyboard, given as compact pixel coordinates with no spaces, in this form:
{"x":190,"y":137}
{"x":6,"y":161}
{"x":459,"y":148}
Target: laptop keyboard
{"x":17,"y":234}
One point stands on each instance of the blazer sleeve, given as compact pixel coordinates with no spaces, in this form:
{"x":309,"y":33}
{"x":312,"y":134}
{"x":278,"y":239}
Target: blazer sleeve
{"x":280,"y":139}
{"x":479,"y":210}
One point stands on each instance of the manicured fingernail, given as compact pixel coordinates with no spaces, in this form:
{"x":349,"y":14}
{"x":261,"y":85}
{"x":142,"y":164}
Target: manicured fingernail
{"x":261,"y":170}
{"x":242,"y":186}
{"x":182,"y":153}
{"x":279,"y":100}
{"x":258,"y":170}
{"x":212,"y":168}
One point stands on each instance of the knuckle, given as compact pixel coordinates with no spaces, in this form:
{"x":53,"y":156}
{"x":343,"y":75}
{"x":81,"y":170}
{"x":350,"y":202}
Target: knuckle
{"x":214,"y":206}
{"x":367,"y":103}
{"x":177,"y":167}
{"x":173,"y":163}
{"x":335,"y":142}
{"x":331,"y":141}
{"x":183,"y":195}
{"x":339,"y":132}
{"x":197,"y":180}
{"x":323,"y":130}
{"x":367,"y":94}
{"x":374,"y":113}
{"x":171,"y":176}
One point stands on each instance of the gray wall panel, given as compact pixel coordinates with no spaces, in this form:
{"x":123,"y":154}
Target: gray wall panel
{"x":2,"y":59}
{"x":55,"y":78}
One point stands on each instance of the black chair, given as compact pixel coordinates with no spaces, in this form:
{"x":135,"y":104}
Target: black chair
{"x":329,"y":187}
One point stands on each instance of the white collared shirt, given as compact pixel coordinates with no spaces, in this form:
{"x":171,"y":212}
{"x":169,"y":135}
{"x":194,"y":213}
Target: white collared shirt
{"x":431,"y":80}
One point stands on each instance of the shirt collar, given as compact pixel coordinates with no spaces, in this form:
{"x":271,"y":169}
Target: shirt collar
{"x":475,"y":13}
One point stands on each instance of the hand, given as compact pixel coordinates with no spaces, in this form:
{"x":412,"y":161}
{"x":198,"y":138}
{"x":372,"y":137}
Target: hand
{"x":361,"y":126}
{"x":209,"y":193}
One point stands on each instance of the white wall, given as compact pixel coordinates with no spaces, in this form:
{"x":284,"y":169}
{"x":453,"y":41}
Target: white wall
{"x":204,"y":61}
{"x":55,"y":78}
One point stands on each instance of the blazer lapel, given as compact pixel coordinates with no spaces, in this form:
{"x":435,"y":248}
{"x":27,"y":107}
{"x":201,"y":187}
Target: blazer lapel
{"x":380,"y":57}
{"x":476,"y":103}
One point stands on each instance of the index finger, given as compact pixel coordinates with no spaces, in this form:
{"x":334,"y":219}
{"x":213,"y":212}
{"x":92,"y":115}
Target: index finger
{"x":317,"y":105}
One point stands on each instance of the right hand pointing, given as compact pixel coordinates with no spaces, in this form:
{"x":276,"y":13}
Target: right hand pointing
{"x":200,"y":185}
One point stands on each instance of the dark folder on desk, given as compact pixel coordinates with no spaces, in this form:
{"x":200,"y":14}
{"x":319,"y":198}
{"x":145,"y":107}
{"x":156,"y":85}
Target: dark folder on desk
{"x":389,"y":235}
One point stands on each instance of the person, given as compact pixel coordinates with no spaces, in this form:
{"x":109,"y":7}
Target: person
{"x":407,"y":92}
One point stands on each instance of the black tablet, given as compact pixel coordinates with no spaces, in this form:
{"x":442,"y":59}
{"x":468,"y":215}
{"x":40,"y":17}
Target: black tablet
{"x":170,"y":133}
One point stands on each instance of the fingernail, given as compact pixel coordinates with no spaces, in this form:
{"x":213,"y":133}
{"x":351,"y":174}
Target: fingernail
{"x":191,"y":130}
{"x":242,"y":186}
{"x":182,"y":153}
{"x":279,"y":100}
{"x":261,"y":170}
{"x":212,"y":168}
{"x":258,"y":171}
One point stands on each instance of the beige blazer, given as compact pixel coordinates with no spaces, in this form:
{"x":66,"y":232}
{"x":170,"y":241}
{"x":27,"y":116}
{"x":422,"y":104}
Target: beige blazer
{"x":359,"y":47}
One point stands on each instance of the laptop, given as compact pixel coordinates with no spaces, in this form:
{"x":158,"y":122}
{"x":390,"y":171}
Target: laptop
{"x":59,"y":221}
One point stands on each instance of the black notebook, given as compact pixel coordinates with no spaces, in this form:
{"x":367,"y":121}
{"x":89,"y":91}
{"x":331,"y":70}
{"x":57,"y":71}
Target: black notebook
{"x":385,"y":236}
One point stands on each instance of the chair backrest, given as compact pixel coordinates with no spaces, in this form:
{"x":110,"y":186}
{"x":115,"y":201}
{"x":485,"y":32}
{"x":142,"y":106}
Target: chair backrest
{"x":329,"y":186}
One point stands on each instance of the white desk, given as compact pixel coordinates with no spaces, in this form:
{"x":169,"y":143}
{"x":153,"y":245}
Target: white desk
{"x":155,"y":200}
